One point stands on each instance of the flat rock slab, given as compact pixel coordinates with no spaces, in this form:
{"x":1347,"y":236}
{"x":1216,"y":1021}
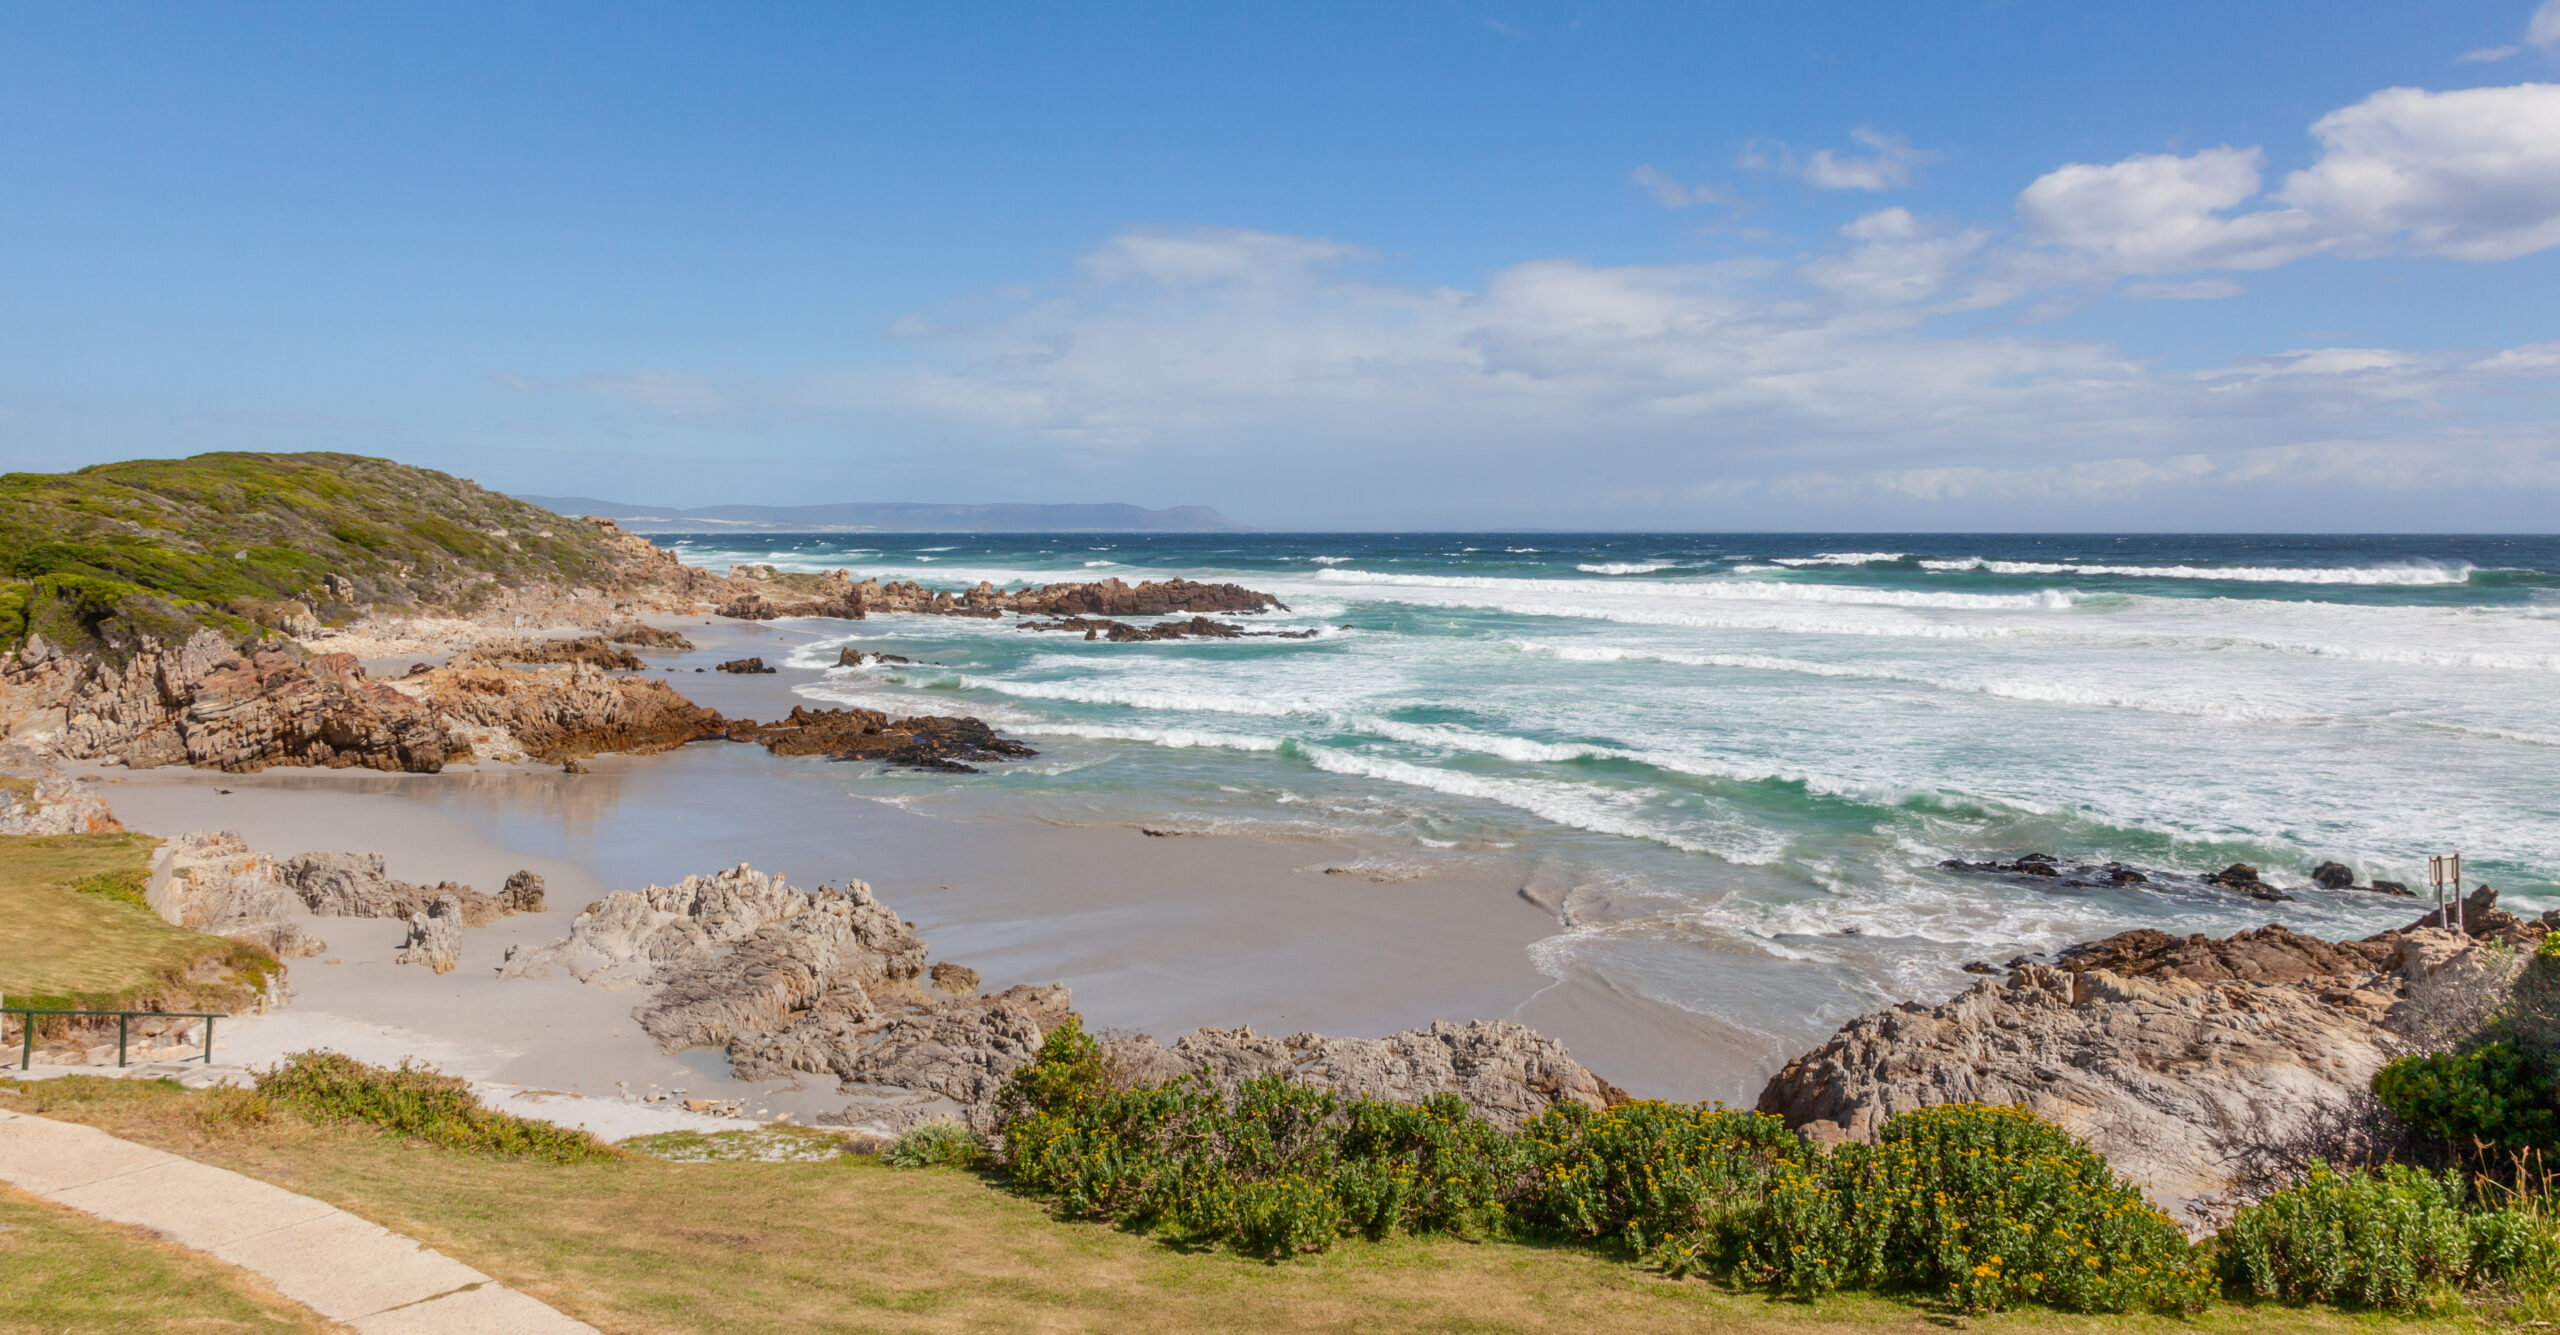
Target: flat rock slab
{"x":347,"y":1269}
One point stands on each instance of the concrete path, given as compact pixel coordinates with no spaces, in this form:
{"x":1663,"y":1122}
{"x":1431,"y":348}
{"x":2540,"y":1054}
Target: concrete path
{"x":350,"y":1271}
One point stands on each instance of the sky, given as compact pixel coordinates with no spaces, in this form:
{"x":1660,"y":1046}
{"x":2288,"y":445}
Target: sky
{"x":1401,"y":264}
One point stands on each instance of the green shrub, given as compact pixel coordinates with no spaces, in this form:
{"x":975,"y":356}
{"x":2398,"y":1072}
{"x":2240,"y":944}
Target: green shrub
{"x":1668,"y":1180}
{"x":936,"y":1144}
{"x":1985,"y":1207}
{"x":2377,"y":1239}
{"x":417,"y":1102}
{"x":2494,"y":1093}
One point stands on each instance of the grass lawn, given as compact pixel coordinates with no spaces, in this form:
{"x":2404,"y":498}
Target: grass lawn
{"x":844,"y":1244}
{"x":74,"y":931}
{"x":61,"y":1270}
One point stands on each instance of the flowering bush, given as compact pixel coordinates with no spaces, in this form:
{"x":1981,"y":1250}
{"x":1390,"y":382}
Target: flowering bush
{"x":1986,"y":1207}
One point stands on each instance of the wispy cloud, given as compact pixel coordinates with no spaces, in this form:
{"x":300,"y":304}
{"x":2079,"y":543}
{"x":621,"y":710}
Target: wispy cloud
{"x":1889,"y":163}
{"x":1672,"y":193}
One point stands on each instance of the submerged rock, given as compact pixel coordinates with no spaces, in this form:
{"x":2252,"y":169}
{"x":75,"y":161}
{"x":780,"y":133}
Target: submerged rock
{"x":1197,"y":628}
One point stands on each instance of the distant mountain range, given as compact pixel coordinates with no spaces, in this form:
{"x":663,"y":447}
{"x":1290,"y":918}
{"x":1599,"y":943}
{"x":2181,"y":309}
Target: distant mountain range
{"x":892,"y":517}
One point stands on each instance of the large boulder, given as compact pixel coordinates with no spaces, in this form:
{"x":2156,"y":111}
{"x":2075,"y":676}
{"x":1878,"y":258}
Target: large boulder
{"x":1507,"y":1072}
{"x":435,"y":937}
{"x":210,"y":881}
{"x":2176,"y":1069}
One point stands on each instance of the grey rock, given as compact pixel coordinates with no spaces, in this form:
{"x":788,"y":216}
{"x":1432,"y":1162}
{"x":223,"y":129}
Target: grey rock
{"x":211,"y":882}
{"x":435,"y":936}
{"x":1506,"y":1072}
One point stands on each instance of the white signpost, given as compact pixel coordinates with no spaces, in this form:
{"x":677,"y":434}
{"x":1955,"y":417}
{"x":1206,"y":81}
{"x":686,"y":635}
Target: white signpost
{"x":2444,"y":872}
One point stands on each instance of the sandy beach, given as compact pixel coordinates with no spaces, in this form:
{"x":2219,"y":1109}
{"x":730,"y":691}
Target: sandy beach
{"x":1154,"y":933}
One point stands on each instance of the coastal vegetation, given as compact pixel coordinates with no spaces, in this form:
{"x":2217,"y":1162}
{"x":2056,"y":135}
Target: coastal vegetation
{"x":75,"y":933}
{"x":639,"y":1243}
{"x":410,"y":1101}
{"x":96,"y":558}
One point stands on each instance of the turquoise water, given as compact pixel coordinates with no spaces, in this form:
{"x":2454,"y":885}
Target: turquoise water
{"x":1718,"y":753}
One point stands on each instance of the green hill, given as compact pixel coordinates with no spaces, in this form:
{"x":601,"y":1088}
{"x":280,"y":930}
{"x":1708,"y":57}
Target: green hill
{"x":96,"y":558}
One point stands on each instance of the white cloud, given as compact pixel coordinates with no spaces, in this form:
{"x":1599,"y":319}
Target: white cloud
{"x":2162,"y":213}
{"x":1889,"y":163}
{"x":2184,"y":289}
{"x":2543,"y":29}
{"x":1899,"y":259}
{"x":2471,"y":174}
{"x":1672,"y":193}
{"x":2487,"y":55}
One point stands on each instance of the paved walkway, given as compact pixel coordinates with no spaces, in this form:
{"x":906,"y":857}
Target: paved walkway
{"x":348,"y":1270}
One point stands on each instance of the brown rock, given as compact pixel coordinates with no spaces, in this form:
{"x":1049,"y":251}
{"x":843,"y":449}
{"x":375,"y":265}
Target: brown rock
{"x":937,"y":742}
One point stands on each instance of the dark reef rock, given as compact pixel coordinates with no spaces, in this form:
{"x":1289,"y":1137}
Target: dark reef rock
{"x":1197,"y":628}
{"x":933,"y":742}
{"x":2333,"y":876}
{"x":746,"y":666}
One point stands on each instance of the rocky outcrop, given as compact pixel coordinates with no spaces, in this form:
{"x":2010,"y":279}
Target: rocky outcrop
{"x":2176,"y":1057}
{"x":354,"y":885}
{"x":205,"y":703}
{"x":558,"y":713}
{"x":209,"y":881}
{"x":624,"y":937}
{"x":745,"y":666}
{"x":762,"y":593}
{"x":435,"y":936}
{"x":934,"y":742}
{"x":852,"y":657}
{"x":647,"y":637}
{"x":1197,"y":628}
{"x":1506,"y":1072}
{"x":831,"y":983}
{"x":588,"y":650}
{"x":522,"y":893}
{"x":52,"y":803}
{"x":1104,"y":598}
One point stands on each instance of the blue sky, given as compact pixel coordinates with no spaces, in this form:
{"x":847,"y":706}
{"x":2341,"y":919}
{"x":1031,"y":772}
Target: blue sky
{"x":2014,"y":265}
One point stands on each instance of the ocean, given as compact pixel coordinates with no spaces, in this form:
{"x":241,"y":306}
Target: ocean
{"x":1732,"y":764}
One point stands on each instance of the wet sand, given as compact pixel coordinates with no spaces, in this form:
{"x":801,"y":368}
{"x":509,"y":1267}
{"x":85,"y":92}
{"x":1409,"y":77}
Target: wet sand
{"x":1155,"y":934}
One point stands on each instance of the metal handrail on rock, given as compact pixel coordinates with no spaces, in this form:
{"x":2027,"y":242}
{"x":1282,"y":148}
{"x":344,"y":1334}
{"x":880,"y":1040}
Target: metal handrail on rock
{"x":124,"y":1028}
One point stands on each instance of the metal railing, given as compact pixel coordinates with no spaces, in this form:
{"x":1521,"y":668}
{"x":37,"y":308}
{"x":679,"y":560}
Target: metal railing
{"x":124,"y":1029}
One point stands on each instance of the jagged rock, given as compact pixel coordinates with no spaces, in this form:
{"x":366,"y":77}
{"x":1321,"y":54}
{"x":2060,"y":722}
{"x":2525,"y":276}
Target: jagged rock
{"x":647,"y":637}
{"x":2171,"y":1077}
{"x":852,"y":657}
{"x":206,"y":704}
{"x":2391,"y":888}
{"x":959,"y":1050}
{"x":2270,"y":954}
{"x":829,"y":595}
{"x":435,"y":936}
{"x":2333,"y":876}
{"x":558,"y":713}
{"x":212,"y":883}
{"x":523,"y":892}
{"x":2172,"y":1055}
{"x":53,"y":804}
{"x":746,"y":666}
{"x":935,"y":742}
{"x":590,"y":650}
{"x":957,"y":980}
{"x":1109,"y":598}
{"x":1505,"y":1071}
{"x":626,"y":935}
{"x":2083,"y":875}
{"x":839,"y":945}
{"x":1197,"y":628}
{"x":354,"y":885}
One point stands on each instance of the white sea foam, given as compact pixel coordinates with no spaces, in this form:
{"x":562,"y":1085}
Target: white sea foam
{"x":1837,"y":559}
{"x":1328,"y":560}
{"x":2392,"y":575}
{"x":1177,"y":738}
{"x":1727,"y":590}
{"x":1625,"y":567}
{"x":1581,"y":806}
{"x":1129,"y":697}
